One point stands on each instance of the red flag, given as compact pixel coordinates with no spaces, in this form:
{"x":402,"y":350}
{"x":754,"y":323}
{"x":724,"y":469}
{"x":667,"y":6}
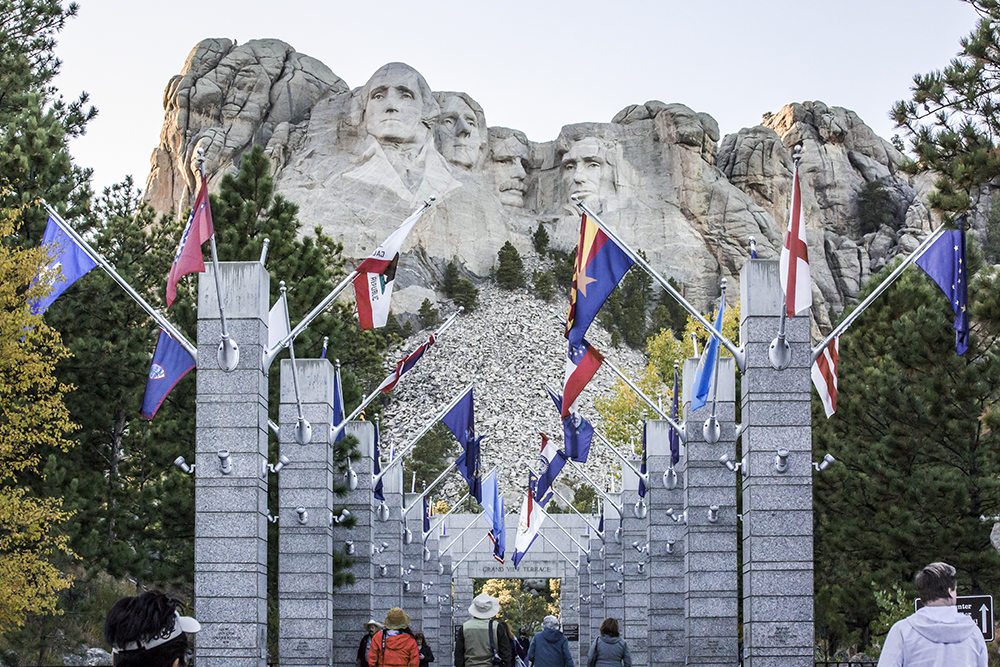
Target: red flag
{"x":824,"y":375}
{"x":795,"y":282}
{"x":188,"y":258}
{"x":582,"y":361}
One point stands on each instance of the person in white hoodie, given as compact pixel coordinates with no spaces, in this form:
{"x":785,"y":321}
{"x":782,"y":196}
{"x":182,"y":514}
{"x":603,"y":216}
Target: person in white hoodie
{"x":936,"y":635}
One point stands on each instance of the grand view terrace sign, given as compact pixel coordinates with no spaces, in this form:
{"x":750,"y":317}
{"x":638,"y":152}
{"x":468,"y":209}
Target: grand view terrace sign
{"x":534,"y":570}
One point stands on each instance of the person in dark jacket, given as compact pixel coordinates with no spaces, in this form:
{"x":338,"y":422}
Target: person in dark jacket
{"x":610,"y":650}
{"x":550,"y":648}
{"x":523,"y":640}
{"x":426,"y":654}
{"x":371,"y":627}
{"x":482,"y":636}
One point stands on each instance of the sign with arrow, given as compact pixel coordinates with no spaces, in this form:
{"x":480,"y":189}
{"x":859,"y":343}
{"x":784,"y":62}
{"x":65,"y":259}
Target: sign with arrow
{"x":979,"y":607}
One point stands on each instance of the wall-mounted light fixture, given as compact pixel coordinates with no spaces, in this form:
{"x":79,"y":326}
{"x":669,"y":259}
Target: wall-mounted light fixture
{"x":781,"y":460}
{"x":383,"y":570}
{"x":713,"y":514}
{"x":282,"y":462}
{"x":349,"y":547}
{"x":183,"y":465}
{"x":225,"y":462}
{"x":382,"y":512}
{"x":408,"y":536}
{"x":678,"y":518}
{"x":341,"y":518}
{"x":670,"y":478}
{"x":727,"y":461}
{"x":303,"y":515}
{"x":640,"y":509}
{"x":670,"y":546}
{"x":643,"y":549}
{"x":825,"y":463}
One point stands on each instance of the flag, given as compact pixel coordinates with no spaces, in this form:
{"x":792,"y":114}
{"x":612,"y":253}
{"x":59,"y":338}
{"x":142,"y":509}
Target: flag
{"x":552,"y":462}
{"x":500,"y":532}
{"x":753,"y":248}
{"x":600,"y":265}
{"x":189,"y":258}
{"x":642,"y":467}
{"x":944,"y":262}
{"x":404,"y":365}
{"x":67,"y":256}
{"x":338,"y":405}
{"x":322,"y":355}
{"x":582,"y":361}
{"x":577,"y":432}
{"x":674,"y":436}
{"x":377,"y":468}
{"x":492,"y":507}
{"x":461,"y":420}
{"x":795,"y":283}
{"x":530,"y":521}
{"x":373,"y":284}
{"x":824,"y":375}
{"x":277,"y":322}
{"x":600,"y":523}
{"x":171,"y":362}
{"x":427,"y":517}
{"x":706,"y":366}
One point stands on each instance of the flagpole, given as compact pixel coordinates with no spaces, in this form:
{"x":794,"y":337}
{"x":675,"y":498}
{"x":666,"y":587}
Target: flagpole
{"x":576,"y":511}
{"x":420,"y":498}
{"x":303,"y":429}
{"x":575,"y":565}
{"x":711,"y":429}
{"x":914,"y":256}
{"x":559,"y":526}
{"x":606,"y":497}
{"x":464,"y":531}
{"x":738,"y":353}
{"x":103,"y":263}
{"x":644,"y":478}
{"x":269,"y":355}
{"x":430,"y":425}
{"x":229,"y":351}
{"x":449,"y":512}
{"x":474,"y":547}
{"x":372,"y":396}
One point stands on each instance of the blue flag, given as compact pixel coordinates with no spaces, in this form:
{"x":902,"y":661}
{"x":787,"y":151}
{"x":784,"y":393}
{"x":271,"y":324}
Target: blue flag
{"x":944,"y":262}
{"x":171,"y":362}
{"x":706,"y":366}
{"x":675,"y":437}
{"x":338,"y":404}
{"x":67,"y":256}
{"x":642,"y":468}
{"x":499,"y":535}
{"x":548,"y":475}
{"x":600,"y":523}
{"x":577,"y":432}
{"x":461,"y":420}
{"x":427,"y":517}
{"x":377,"y":468}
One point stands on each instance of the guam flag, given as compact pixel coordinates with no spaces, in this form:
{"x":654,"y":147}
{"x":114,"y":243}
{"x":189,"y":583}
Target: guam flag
{"x":171,"y":362}
{"x":600,"y":264}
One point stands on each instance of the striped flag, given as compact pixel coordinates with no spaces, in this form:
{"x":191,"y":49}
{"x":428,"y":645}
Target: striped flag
{"x":373,"y":284}
{"x":582,"y":361}
{"x":404,"y":365}
{"x":795,"y":282}
{"x":824,"y":376}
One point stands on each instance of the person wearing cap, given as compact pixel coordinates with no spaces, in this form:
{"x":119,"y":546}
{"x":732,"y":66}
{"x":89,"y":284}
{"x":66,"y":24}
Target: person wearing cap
{"x":481,"y":637}
{"x":550,"y":648}
{"x":148,"y":631}
{"x":394,"y":646}
{"x":371,"y":627}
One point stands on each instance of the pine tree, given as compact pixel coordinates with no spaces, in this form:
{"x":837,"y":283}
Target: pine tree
{"x":542,"y":282}
{"x":916,"y":438}
{"x":450,"y":281}
{"x":668,"y":313}
{"x":540,"y":239}
{"x":430,"y":454}
{"x":429,"y":315}
{"x":510,"y":273}
{"x":874,"y":207}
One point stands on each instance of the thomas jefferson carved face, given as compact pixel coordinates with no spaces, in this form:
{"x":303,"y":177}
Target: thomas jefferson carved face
{"x":508,"y":159}
{"x":587,"y":172}
{"x":394,"y":105}
{"x":458,"y":132}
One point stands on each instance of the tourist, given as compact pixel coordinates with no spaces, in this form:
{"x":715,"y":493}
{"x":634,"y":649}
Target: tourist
{"x":550,"y":648}
{"x":523,"y":641}
{"x":148,"y":631}
{"x":936,"y":634}
{"x":371,"y":627}
{"x":426,"y":654}
{"x":610,"y":650}
{"x":394,"y":646}
{"x":481,"y":641}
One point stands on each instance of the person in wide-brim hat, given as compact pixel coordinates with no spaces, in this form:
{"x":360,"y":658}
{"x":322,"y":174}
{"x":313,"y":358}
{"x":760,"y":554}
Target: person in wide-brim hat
{"x":373,"y":626}
{"x":396,"y":619}
{"x":484,"y":606}
{"x":394,"y":646}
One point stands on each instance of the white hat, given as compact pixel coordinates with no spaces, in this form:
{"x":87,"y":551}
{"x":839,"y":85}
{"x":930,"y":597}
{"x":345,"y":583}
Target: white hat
{"x":484,"y":606}
{"x":372,"y":621}
{"x":181,"y":624}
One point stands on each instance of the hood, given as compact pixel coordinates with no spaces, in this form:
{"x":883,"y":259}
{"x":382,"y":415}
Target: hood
{"x":943,"y":625}
{"x":551,"y":635}
{"x":607,"y":639}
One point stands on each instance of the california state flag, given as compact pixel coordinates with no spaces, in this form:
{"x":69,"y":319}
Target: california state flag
{"x":373,"y":284}
{"x":795,"y":283}
{"x":824,"y":375}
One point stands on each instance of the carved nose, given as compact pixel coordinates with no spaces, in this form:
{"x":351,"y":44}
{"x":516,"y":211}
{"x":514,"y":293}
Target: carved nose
{"x":519,"y":172}
{"x":462,"y":128}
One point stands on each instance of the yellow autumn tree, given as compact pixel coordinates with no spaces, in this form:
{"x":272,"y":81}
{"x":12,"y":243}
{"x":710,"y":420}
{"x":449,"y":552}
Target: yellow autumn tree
{"x":622,"y":411}
{"x":33,"y":423}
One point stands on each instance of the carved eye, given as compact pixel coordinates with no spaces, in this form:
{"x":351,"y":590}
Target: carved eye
{"x":406,"y":95}
{"x":448,"y":121}
{"x":569,"y":166}
{"x":378,"y":96}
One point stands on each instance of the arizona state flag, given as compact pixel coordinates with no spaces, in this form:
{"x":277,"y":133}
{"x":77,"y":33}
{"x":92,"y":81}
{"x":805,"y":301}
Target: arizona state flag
{"x":600,"y":265}
{"x":373,"y":284}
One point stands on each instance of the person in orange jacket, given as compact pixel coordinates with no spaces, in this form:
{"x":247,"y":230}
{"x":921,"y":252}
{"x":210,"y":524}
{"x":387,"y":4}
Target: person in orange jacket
{"x":394,"y":646}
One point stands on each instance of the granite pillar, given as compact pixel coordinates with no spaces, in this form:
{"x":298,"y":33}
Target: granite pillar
{"x":634,"y":622}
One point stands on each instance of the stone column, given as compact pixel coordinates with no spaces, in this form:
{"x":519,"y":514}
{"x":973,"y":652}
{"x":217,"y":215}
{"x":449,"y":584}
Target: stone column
{"x":305,"y":569}
{"x":614,"y":583}
{"x":584,"y":597}
{"x":777,"y":507}
{"x":636,"y":567}
{"x":387,"y":585}
{"x":446,"y":598}
{"x":413,"y":562}
{"x":432,"y":588}
{"x":710,"y":604}
{"x":230,"y":532}
{"x":353,"y":603}
{"x":595,"y":584}
{"x":666,"y":548}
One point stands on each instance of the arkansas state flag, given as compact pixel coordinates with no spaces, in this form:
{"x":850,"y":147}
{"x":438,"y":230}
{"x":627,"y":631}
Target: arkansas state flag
{"x":171,"y":362}
{"x":582,"y":361}
{"x":189,"y":258}
{"x":600,"y":264}
{"x":824,"y":376}
{"x":795,"y":282}
{"x":373,"y":284}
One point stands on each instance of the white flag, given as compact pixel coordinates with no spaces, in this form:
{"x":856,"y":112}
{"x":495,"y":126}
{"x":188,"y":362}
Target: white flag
{"x":277,"y":323}
{"x":795,"y":282}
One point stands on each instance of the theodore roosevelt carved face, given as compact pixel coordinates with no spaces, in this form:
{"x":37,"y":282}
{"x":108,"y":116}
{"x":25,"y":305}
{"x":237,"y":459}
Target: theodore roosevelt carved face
{"x":509,"y":162}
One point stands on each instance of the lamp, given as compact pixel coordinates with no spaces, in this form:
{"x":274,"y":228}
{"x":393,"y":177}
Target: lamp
{"x":183,"y":465}
{"x":225,"y":462}
{"x":713,"y":514}
{"x":825,"y":463}
{"x":781,"y":460}
{"x":303,"y":515}
{"x":282,"y":462}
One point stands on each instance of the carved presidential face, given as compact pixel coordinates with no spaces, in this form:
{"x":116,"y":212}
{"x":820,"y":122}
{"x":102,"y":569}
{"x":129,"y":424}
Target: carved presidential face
{"x":458,"y":132}
{"x":508,"y":159}
{"x":394,"y":106}
{"x":587,"y":172}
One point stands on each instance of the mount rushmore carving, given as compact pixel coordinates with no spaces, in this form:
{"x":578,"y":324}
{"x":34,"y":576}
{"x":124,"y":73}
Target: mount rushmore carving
{"x":357,"y":162}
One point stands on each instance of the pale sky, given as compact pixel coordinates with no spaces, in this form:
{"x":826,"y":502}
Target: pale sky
{"x":534,"y":65}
